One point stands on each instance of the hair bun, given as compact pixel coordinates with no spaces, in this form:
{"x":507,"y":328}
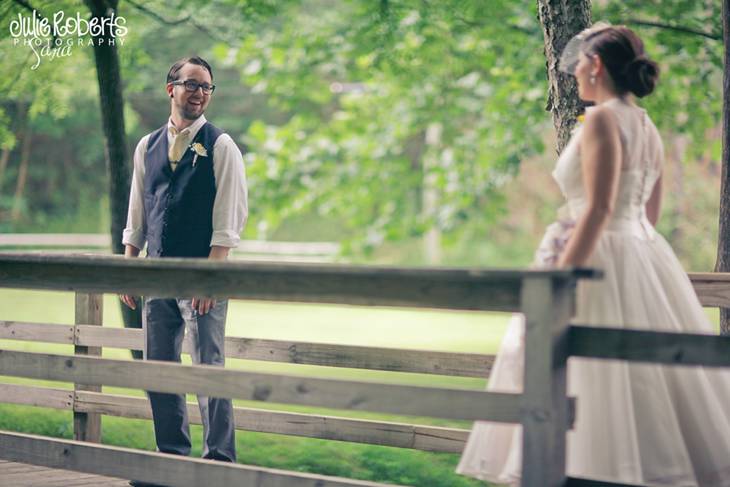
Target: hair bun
{"x":641,"y":76}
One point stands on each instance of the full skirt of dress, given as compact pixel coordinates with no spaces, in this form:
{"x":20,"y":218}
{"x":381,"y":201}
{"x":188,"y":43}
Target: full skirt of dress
{"x":636,"y":423}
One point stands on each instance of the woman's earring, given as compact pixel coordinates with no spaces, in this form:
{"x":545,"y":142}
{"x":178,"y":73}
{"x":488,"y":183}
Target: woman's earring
{"x":592,"y":79}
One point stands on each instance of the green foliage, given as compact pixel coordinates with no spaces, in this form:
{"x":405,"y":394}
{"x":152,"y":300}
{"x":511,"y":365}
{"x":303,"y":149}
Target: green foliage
{"x":380,"y":120}
{"x":688,"y":99}
{"x":365,"y":85}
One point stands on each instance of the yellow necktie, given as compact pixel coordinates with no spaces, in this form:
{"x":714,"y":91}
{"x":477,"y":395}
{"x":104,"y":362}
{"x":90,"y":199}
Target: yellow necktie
{"x":179,"y":145}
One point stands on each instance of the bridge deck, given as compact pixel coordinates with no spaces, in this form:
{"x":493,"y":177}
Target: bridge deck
{"x":14,"y":474}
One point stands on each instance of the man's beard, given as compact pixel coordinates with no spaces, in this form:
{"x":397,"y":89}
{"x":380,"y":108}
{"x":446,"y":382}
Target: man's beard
{"x":188,"y":114}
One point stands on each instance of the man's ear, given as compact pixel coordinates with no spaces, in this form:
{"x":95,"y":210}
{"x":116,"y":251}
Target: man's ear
{"x":169,"y":87}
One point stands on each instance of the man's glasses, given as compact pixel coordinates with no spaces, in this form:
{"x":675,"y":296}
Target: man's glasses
{"x":192,"y":86}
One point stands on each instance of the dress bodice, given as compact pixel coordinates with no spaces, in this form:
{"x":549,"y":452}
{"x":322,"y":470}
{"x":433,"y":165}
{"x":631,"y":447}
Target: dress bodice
{"x":641,"y":162}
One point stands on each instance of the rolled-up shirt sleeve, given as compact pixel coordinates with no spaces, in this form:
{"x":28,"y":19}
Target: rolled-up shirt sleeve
{"x":230,"y":209}
{"x":136,"y":229}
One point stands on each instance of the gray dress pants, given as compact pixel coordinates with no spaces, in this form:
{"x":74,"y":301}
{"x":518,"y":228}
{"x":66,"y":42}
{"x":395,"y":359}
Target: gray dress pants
{"x":164,"y":322}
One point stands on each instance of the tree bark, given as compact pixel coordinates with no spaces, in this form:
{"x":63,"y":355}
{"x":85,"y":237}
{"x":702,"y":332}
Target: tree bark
{"x":4,"y":157}
{"x":109,"y":75}
{"x":561,"y":20}
{"x":723,"y":240}
{"x":19,"y":119}
{"x":22,"y":171}
{"x":675,"y":157}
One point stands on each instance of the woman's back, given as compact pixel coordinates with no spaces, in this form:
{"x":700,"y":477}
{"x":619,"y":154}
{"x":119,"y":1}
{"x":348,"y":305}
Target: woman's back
{"x":642,"y":155}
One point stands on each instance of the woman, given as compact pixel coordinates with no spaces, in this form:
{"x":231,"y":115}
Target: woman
{"x":636,"y":423}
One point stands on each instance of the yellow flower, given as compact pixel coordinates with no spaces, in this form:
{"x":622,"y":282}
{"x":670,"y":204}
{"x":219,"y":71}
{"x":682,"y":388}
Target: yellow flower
{"x":199,"y":149}
{"x":580,"y":118}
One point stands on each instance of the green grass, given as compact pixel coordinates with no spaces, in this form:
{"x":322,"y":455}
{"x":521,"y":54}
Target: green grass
{"x":397,"y":328}
{"x":365,"y":462}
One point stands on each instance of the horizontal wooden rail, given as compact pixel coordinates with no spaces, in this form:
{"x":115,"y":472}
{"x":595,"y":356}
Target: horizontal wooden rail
{"x":37,"y":332}
{"x":91,"y":240}
{"x":712,"y":288}
{"x":384,"y":433}
{"x":301,"y":353}
{"x":650,"y":346}
{"x":220,"y":382}
{"x":155,"y":467}
{"x":37,"y":396}
{"x":308,"y":353}
{"x":468,"y":289}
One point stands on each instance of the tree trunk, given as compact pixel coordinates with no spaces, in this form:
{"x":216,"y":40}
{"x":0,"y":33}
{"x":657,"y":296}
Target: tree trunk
{"x":19,"y":120}
{"x":430,"y":195}
{"x":22,"y":172}
{"x":723,"y":240}
{"x":675,"y":157}
{"x":4,"y":157}
{"x":109,"y":76}
{"x":561,"y":20}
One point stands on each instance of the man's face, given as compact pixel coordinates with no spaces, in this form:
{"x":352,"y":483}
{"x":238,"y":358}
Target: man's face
{"x":190,"y":105}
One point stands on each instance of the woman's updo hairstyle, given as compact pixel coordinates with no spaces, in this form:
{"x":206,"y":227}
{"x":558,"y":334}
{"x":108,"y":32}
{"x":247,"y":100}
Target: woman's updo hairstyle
{"x":622,"y":52}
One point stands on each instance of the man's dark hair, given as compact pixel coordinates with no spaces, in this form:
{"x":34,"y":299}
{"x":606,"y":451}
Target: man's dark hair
{"x":175,"y":69}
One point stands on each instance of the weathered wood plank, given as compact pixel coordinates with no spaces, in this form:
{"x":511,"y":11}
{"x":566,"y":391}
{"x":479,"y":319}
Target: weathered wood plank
{"x":709,"y":276}
{"x":7,"y":468}
{"x":80,"y":240}
{"x":713,"y":289}
{"x":548,"y":306}
{"x":219,"y":382}
{"x":471,"y":289}
{"x":426,"y":438}
{"x":36,"y":332}
{"x":89,"y":308}
{"x":36,"y":396}
{"x":650,"y":346}
{"x":155,"y":467}
{"x":390,"y":359}
{"x":48,"y":478}
{"x":100,"y":336}
{"x":374,"y":358}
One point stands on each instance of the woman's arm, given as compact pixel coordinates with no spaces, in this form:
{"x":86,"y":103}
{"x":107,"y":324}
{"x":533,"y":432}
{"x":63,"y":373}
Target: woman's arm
{"x":601,"y":163}
{"x":654,"y":204}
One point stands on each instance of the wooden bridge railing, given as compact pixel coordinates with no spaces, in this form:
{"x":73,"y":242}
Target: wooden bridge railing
{"x":546,"y":298}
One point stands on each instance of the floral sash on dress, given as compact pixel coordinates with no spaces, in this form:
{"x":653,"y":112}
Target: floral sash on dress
{"x":554,"y":241}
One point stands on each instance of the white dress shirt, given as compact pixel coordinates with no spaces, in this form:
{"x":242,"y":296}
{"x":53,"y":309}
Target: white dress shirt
{"x":230,"y":208}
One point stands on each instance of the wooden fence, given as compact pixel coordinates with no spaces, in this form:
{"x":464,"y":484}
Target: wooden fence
{"x":251,"y":250}
{"x":544,"y":410}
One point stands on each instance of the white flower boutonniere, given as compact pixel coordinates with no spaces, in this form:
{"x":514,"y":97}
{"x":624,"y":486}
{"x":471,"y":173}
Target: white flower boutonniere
{"x":199,"y":151}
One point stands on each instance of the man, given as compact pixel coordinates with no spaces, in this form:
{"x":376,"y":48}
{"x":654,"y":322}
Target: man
{"x":188,"y":199}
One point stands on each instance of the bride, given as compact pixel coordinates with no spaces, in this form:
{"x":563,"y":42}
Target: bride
{"x":644,"y":424}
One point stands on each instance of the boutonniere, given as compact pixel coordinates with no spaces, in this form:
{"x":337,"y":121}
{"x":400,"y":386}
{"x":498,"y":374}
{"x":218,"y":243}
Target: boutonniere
{"x":199,"y":151}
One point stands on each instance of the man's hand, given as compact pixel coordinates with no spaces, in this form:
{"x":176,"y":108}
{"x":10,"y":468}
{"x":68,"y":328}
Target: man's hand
{"x":203,"y":305}
{"x":130,"y":251}
{"x":128,"y":300}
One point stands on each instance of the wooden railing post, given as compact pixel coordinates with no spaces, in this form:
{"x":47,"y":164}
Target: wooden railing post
{"x":548,"y":305}
{"x":89,"y":311}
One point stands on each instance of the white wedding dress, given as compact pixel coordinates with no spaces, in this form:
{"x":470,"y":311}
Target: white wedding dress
{"x":636,"y":423}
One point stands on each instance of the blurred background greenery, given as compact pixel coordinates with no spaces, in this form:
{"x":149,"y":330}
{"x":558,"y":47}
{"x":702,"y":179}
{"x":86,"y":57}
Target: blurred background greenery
{"x":411,"y":132}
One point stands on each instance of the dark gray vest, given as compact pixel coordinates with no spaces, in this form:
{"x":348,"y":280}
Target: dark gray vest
{"x":178,"y":204}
